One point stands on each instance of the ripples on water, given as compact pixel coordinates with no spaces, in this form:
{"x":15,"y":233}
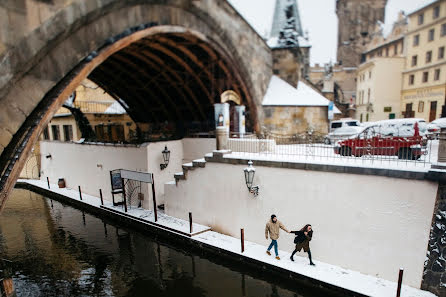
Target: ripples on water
{"x":60,"y":251}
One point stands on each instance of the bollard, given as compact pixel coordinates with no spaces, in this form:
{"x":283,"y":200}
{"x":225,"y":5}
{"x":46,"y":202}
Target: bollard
{"x":154,"y":198}
{"x":48,"y":182}
{"x":242,"y":239}
{"x":190,"y":222}
{"x":80,"y":192}
{"x":400,"y":280}
{"x":100,"y":194}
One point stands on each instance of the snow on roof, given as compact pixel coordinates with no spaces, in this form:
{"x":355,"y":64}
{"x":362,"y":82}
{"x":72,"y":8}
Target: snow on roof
{"x":115,"y":108}
{"x":281,"y":93}
{"x":273,"y":42}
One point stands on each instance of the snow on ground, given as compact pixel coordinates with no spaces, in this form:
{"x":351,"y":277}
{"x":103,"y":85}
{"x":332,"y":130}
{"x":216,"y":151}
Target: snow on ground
{"x":164,"y":220}
{"x":348,"y":279}
{"x":324,"y":154}
{"x":145,"y":214}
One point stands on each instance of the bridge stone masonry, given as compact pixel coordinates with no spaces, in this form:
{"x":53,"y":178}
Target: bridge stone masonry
{"x":57,"y":44}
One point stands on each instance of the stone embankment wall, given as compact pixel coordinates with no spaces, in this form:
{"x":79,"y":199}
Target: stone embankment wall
{"x":364,"y":222}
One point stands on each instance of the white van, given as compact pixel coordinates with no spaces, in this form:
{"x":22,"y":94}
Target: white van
{"x":345,"y":122}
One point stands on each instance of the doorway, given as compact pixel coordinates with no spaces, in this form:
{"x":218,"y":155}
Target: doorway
{"x":433,"y":111}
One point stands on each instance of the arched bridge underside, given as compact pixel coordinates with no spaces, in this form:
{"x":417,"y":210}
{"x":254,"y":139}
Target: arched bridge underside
{"x":167,"y":62}
{"x":171,"y":77}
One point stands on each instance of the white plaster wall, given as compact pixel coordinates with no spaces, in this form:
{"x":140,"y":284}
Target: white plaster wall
{"x":196,"y":148}
{"x":77,"y":164}
{"x":155,"y":158}
{"x":366,"y":223}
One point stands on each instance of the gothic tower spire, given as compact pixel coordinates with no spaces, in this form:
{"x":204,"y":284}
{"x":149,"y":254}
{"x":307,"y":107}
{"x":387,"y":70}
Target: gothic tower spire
{"x":285,"y":11}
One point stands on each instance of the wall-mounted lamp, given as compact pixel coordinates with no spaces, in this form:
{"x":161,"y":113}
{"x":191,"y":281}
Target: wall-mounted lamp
{"x":250,"y":171}
{"x":166,"y":157}
{"x":49,"y":156}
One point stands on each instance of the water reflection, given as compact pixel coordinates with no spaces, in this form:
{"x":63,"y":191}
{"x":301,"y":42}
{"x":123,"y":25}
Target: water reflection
{"x":60,"y":251}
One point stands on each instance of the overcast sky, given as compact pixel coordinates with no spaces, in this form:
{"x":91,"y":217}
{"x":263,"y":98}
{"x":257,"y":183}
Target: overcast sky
{"x":318,"y":17}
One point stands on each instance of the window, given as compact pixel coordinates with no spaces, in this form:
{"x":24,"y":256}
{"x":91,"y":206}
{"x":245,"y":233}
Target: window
{"x":416,"y":40}
{"x":368,"y":97}
{"x":56,"y":133}
{"x":425,"y":76}
{"x":429,"y":57}
{"x":436,"y":12}
{"x":370,"y":74}
{"x":336,"y":125}
{"x":414,"y":60}
{"x":437,"y":74}
{"x":68,"y":132}
{"x":391,"y":116}
{"x":411,"y":79}
{"x":360,"y":118}
{"x":367,"y":117}
{"x":421,"y":19}
{"x":421,"y":106}
{"x":431,"y":34}
{"x":387,"y":51}
{"x":441,"y":53}
{"x":352,"y":124}
{"x":395,"y":49}
{"x":46,"y":133}
{"x":443,"y":29}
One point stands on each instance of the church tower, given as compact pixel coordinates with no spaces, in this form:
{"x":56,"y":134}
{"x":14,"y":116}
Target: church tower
{"x":290,"y":48}
{"x":356,"y":22}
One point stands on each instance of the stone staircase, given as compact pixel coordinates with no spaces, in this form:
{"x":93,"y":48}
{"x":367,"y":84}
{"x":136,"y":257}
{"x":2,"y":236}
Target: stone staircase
{"x":199,"y":163}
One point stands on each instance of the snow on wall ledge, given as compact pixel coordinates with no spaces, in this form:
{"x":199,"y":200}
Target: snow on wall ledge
{"x":368,"y":223}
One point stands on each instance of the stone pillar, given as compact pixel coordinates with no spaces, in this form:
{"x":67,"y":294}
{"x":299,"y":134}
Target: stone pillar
{"x":222,"y":136}
{"x":434,"y":275}
{"x":442,"y":146}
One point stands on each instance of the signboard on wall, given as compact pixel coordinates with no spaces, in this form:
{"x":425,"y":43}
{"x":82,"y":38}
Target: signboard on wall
{"x":221,"y":111}
{"x":240,"y":110}
{"x":116,"y":180}
{"x":330,"y":110}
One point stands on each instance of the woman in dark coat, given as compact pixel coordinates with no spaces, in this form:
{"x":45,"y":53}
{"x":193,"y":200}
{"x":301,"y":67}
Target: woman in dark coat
{"x":302,"y":241}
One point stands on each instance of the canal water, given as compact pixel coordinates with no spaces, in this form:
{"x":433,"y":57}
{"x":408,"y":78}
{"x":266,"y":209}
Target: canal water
{"x":57,"y":250}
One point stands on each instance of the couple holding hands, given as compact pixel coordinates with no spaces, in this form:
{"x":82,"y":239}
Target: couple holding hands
{"x":302,"y":237}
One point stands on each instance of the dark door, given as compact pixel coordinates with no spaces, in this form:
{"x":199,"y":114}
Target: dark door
{"x":433,"y":111}
{"x":408,"y":112}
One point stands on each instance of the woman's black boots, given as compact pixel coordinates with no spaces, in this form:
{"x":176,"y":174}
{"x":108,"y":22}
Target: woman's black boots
{"x":309,"y":256}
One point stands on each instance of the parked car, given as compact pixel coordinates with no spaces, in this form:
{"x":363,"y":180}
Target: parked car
{"x":346,"y":122}
{"x":342,"y":133}
{"x":374,"y":140}
{"x":434,"y":127}
{"x":401,"y":127}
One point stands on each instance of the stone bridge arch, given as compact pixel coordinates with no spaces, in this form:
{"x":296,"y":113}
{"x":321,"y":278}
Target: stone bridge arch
{"x":43,"y":67}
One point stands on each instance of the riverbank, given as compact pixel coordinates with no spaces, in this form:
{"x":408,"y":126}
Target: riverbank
{"x":325,"y":276}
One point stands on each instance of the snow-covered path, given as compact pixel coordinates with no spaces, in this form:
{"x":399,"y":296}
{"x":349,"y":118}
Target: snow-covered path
{"x":335,"y":275}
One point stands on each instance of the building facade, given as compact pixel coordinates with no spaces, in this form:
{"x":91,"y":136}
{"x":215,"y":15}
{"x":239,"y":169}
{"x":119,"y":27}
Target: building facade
{"x":379,"y":75}
{"x":424,"y":77}
{"x":107,"y":118}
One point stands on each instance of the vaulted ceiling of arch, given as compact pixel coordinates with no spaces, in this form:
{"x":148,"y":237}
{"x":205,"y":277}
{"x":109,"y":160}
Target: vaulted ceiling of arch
{"x":168,"y":77}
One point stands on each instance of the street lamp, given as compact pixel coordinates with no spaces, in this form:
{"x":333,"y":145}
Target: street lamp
{"x":250,"y":171}
{"x":166,"y":156}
